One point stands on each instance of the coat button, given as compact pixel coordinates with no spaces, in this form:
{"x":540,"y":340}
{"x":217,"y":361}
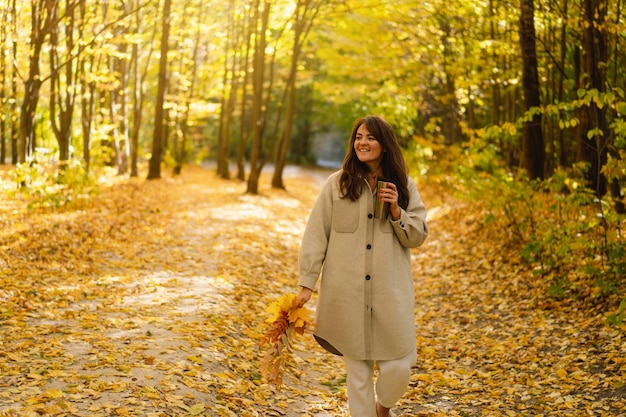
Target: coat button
{"x":369,"y":246}
{"x":367,"y":277}
{"x":369,"y":216}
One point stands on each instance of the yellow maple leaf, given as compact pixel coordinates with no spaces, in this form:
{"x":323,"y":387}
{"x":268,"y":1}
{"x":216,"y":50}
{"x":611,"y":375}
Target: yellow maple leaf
{"x":122,"y":411}
{"x":53,"y":393}
{"x":196,"y":409}
{"x":300,"y":317}
{"x":283,"y":305}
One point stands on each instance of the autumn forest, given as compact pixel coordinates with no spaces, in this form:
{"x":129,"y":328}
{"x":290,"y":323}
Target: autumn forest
{"x":159,"y":158}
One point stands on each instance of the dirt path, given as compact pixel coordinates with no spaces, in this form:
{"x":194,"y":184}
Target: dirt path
{"x":165,"y":315}
{"x":161,"y":310}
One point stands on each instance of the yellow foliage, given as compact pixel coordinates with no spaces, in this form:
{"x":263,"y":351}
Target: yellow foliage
{"x":286,"y":317}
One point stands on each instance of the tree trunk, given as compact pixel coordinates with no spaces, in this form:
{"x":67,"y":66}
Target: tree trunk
{"x":593,"y":134}
{"x":223,"y":134}
{"x":122,"y":67}
{"x":87,"y":104}
{"x":450,"y":127}
{"x":4,"y":104}
{"x":139,"y":82}
{"x":181,"y":154}
{"x":41,"y":23}
{"x":563,"y":148}
{"x":62,"y":88}
{"x":88,"y":91}
{"x":154,"y":170}
{"x":257,"y":100}
{"x":136,"y":104}
{"x":533,"y":151}
{"x":242,"y":142}
{"x":223,"y":142}
{"x":302,"y":24}
{"x":15,"y":132}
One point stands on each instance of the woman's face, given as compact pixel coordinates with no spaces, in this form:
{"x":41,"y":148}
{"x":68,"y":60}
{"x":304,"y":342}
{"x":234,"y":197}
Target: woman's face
{"x":367,"y":148}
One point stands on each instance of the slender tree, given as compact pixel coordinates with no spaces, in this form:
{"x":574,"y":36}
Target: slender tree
{"x":118,"y":95}
{"x":188,"y":91}
{"x":450,"y":129}
{"x":227,"y":99}
{"x":593,"y":133}
{"x":257,"y":112}
{"x":228,"y":77}
{"x":87,"y":97}
{"x":64,"y":77}
{"x":154,"y":170}
{"x":532,"y":140}
{"x":42,"y":21}
{"x":4,"y":102}
{"x":304,"y":16}
{"x":139,"y":76}
{"x":15,"y":132}
{"x":244,"y":80}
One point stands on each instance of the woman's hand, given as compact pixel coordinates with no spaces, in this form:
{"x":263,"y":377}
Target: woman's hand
{"x":304,"y":296}
{"x":389,"y":194}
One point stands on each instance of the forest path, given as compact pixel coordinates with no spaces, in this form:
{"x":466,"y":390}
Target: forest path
{"x":152,"y":302}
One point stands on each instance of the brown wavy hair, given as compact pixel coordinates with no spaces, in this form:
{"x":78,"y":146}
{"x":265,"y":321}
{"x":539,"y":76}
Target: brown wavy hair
{"x":351,"y":181}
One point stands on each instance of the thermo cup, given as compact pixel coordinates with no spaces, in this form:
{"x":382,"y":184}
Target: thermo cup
{"x":381,"y":208}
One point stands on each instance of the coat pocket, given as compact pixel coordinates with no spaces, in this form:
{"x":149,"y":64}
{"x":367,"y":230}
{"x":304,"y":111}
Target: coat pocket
{"x":385,"y":226}
{"x":345,"y":216}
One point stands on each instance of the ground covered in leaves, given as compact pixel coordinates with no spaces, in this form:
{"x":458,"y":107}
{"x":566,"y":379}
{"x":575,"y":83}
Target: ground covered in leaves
{"x":151,"y":299}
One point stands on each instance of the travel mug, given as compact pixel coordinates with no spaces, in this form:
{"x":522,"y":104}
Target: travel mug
{"x":381,"y":208}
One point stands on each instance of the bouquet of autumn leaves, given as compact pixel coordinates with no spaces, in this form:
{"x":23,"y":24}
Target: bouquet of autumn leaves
{"x":287,"y":318}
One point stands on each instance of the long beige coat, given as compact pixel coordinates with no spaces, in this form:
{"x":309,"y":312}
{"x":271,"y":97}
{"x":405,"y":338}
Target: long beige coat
{"x":366,"y":300}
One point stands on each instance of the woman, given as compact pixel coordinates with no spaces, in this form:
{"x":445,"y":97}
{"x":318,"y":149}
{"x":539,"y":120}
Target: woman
{"x":365,"y":310}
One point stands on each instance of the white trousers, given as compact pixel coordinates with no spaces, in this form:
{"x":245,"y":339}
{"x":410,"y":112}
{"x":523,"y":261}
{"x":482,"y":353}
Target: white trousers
{"x":391,"y":383}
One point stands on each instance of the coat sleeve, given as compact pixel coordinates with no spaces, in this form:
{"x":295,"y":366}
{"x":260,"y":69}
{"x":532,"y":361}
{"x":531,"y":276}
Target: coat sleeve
{"x":411,"y":228}
{"x":315,"y":239}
